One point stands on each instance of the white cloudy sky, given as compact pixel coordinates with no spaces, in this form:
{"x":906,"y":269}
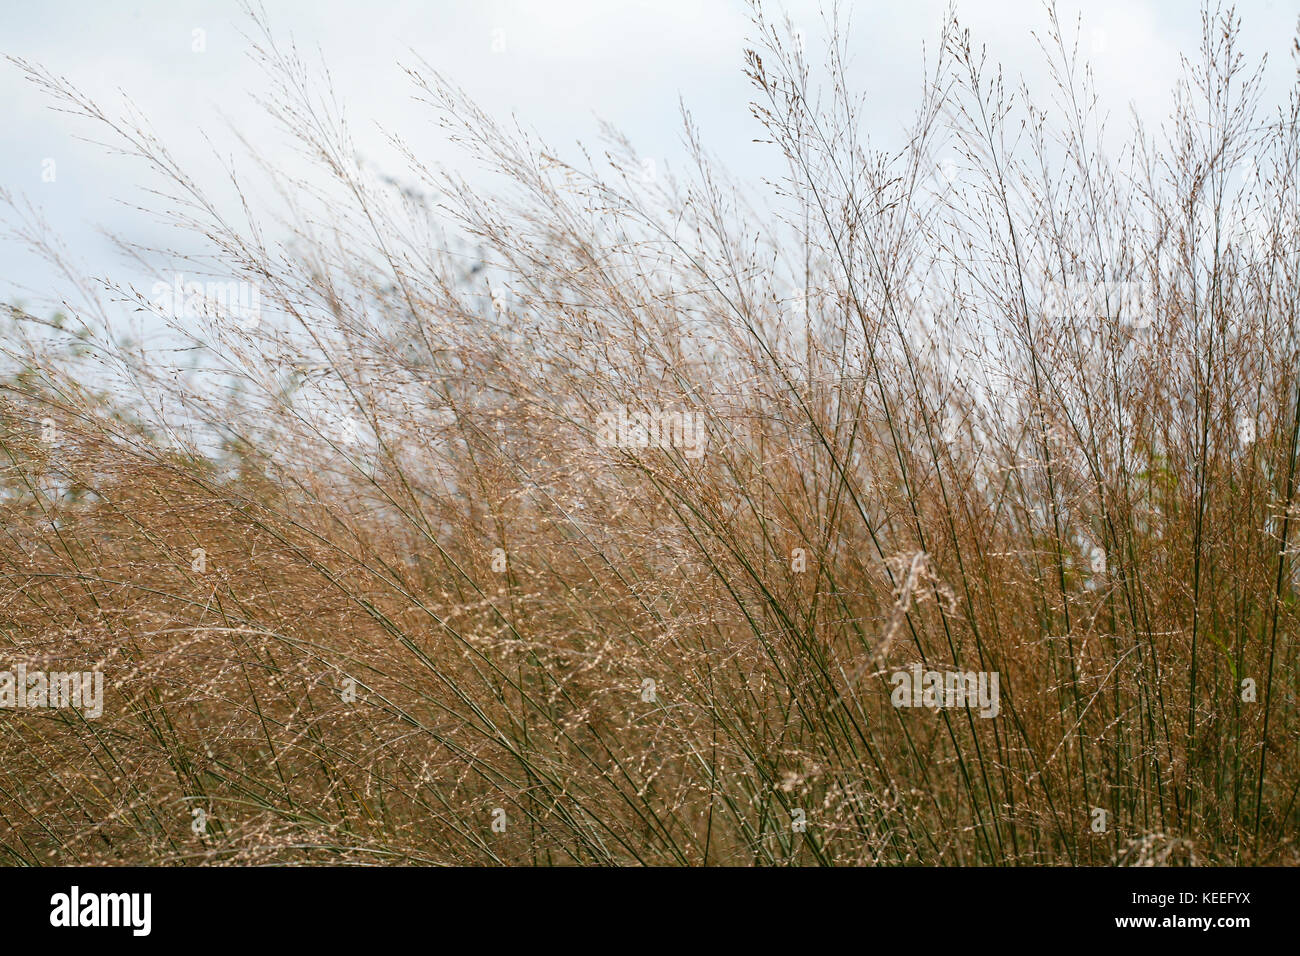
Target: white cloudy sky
{"x":565,"y":63}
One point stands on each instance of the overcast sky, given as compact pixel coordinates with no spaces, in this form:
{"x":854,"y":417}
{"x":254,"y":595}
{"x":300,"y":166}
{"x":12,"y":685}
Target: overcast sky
{"x":558,"y":65}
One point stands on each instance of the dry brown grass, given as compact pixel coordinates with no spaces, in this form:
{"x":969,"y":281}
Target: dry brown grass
{"x":998,"y":437}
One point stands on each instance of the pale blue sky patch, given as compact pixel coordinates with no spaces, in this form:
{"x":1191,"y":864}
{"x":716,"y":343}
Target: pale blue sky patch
{"x":555,"y":65}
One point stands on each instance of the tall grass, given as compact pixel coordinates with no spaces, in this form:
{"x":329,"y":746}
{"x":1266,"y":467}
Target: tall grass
{"x":464,"y":630}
